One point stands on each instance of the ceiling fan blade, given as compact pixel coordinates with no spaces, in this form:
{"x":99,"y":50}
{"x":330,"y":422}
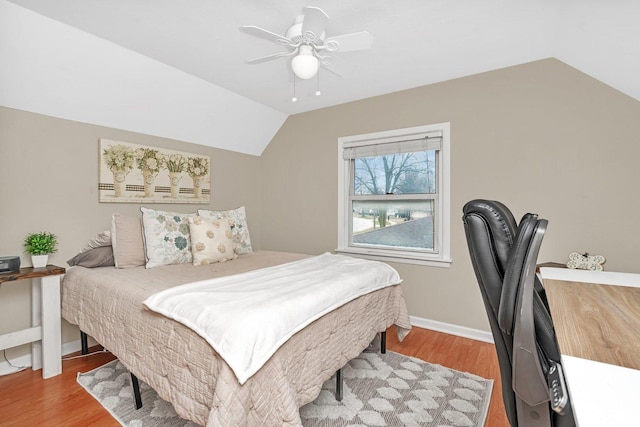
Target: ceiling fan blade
{"x":349,"y":42}
{"x":265,"y":34}
{"x":269,"y":57}
{"x":333,"y":64}
{"x":331,"y":70}
{"x":314,"y":23}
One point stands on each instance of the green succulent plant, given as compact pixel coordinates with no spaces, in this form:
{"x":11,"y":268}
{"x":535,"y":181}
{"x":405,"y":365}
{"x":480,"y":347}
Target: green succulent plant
{"x":40,"y":243}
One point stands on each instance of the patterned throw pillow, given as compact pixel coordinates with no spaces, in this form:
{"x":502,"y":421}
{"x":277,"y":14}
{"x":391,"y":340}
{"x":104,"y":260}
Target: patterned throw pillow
{"x":239,"y":229}
{"x":166,"y":237}
{"x":210,"y":240}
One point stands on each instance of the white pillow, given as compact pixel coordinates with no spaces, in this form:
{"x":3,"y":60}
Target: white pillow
{"x":239,"y":228}
{"x":166,"y":237}
{"x":210,"y":240}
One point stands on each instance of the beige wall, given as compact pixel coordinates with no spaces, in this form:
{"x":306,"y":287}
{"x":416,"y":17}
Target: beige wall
{"x":541,"y":137}
{"x":48,"y":181}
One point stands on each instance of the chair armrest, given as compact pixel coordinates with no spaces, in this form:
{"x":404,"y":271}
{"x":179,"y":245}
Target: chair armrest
{"x":529,"y":380}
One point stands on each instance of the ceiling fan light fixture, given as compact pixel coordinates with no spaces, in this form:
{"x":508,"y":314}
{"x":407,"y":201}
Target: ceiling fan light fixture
{"x":309,"y":46}
{"x":305,"y":65}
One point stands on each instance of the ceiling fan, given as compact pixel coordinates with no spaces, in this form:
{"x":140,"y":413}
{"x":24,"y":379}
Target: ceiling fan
{"x":307,"y":42}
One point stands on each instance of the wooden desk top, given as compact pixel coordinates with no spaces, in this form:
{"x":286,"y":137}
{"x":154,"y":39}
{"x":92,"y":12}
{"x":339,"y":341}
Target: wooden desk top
{"x":596,"y":322}
{"x":31,"y":273}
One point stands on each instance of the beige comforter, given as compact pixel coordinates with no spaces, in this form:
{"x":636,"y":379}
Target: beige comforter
{"x":107,"y":304}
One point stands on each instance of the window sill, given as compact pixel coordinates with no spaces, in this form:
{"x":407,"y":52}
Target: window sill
{"x":403,"y":258}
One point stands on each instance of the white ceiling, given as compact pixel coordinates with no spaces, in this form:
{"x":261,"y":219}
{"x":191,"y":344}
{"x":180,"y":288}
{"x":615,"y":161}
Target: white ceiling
{"x":416,"y":42}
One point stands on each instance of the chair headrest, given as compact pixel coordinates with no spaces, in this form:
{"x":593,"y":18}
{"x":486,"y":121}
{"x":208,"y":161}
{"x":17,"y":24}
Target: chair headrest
{"x":496,"y":221}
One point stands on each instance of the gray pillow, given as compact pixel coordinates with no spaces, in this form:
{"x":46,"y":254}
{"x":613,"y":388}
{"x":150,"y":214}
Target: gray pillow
{"x":96,"y":257}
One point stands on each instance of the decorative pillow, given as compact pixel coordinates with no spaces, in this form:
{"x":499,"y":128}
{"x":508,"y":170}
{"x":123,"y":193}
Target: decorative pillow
{"x":166,"y":237}
{"x":239,"y":229}
{"x":102,"y":239}
{"x":210,"y":240}
{"x":101,"y":256}
{"x":126,"y":239}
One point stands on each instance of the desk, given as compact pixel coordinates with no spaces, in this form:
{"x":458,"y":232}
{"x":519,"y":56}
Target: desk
{"x":44,"y":333}
{"x":597,"y":321}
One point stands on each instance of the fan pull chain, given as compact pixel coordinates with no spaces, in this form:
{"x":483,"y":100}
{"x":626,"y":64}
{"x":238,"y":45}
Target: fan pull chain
{"x":294,"y":99}
{"x":318,"y":93}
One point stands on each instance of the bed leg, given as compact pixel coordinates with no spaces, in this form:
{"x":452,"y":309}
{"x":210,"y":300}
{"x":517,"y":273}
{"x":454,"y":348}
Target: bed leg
{"x":383,"y":342}
{"x":84,"y":343}
{"x":136,"y":391}
{"x":339,"y":385}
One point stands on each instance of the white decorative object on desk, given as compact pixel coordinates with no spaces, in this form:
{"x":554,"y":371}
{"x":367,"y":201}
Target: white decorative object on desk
{"x":585,"y":261}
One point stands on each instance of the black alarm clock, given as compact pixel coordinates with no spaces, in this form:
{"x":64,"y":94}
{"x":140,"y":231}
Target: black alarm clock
{"x":9,"y":264}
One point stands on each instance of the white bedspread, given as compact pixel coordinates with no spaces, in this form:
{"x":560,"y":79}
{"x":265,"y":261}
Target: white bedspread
{"x":247,"y":317}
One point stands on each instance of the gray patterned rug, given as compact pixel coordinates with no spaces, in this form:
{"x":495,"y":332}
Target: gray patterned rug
{"x":379,"y":390}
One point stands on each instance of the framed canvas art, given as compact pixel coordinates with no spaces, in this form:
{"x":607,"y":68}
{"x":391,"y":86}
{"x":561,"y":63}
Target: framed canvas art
{"x":132,"y":173}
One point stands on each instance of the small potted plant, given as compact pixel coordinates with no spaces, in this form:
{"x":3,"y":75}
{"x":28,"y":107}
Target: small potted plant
{"x":39,"y":246}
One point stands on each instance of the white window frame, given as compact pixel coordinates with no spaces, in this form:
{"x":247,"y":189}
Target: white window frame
{"x":442,"y":221}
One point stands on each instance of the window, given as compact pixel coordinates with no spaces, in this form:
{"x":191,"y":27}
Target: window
{"x":393,"y":195}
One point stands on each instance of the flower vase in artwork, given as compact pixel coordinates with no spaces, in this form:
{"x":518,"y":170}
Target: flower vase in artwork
{"x":149,"y":179}
{"x":197,"y":189}
{"x":119,"y":184}
{"x":174,"y":178}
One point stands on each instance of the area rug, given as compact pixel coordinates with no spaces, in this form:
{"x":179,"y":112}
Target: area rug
{"x":379,"y":390}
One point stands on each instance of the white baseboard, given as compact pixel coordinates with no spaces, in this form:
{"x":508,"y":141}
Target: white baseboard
{"x":448,"y":328}
{"x":25,"y":360}
{"x":434,"y":325}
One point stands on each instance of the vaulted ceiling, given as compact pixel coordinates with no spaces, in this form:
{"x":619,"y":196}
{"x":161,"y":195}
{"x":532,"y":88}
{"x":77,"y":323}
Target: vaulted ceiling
{"x":170,"y":55}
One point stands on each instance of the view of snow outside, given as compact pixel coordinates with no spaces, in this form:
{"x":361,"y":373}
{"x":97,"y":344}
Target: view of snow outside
{"x":390,"y":175}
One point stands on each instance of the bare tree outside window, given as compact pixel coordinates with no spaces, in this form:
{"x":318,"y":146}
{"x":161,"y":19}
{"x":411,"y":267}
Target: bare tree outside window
{"x":405,"y":173}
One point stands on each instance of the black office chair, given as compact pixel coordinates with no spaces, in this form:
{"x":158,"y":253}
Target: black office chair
{"x":504,"y":256}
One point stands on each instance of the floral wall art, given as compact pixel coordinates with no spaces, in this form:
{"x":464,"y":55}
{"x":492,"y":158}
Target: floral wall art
{"x":132,"y":173}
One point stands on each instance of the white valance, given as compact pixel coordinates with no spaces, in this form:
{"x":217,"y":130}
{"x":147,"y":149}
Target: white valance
{"x":392,"y":145}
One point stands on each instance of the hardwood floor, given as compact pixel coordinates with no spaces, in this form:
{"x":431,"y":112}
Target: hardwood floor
{"x":28,"y":400}
{"x":457,"y":353}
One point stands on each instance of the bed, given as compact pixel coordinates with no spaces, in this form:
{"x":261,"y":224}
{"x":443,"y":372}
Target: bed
{"x":107,"y":304}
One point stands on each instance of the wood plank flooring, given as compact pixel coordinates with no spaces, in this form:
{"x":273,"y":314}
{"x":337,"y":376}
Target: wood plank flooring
{"x":28,"y":400}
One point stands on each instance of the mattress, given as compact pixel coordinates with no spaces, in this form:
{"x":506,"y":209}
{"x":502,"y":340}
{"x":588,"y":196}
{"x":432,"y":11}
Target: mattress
{"x":106,"y":303}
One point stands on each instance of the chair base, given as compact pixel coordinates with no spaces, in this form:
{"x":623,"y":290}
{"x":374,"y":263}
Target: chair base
{"x":533,"y":416}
